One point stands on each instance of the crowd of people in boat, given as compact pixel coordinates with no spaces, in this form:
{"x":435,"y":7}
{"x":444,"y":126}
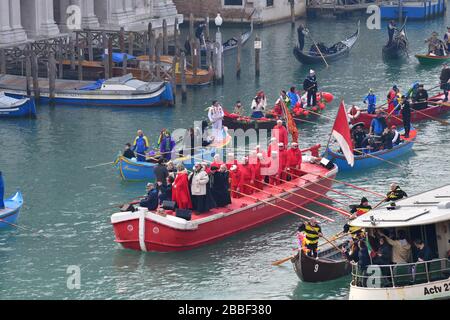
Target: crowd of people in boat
{"x":294,"y":99}
{"x":379,"y":247}
{"x":213,"y":185}
{"x":439,"y":47}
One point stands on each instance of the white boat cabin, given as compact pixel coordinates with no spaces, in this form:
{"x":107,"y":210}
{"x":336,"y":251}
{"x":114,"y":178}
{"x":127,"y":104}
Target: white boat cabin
{"x":128,"y":83}
{"x":425,"y":216}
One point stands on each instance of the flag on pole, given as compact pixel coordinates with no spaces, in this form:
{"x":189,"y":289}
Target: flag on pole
{"x":341,"y":132}
{"x":290,"y":123}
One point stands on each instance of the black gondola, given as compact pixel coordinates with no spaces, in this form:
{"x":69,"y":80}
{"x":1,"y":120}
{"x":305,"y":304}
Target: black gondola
{"x":330,"y":265}
{"x":336,"y":51}
{"x":398,"y":48}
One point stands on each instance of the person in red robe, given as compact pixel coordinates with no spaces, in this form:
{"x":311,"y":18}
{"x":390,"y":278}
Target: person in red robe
{"x":273,"y":146}
{"x":231,"y":161}
{"x":257,"y":166}
{"x":294,"y":159}
{"x":217,"y":161}
{"x":283,"y":156}
{"x":248,"y":176}
{"x":236,"y":182}
{"x":277,"y":110}
{"x":280,"y":132}
{"x":275,"y":169}
{"x":180,"y":189}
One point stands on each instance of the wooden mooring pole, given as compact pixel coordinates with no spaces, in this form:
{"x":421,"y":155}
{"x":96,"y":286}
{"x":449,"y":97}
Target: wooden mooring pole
{"x":35,"y":75}
{"x":176,"y":38}
{"x":28,"y":69}
{"x":238,"y":61}
{"x":292,"y":3}
{"x":151,"y":43}
{"x":257,"y":55}
{"x":183,"y":76}
{"x":80,"y":62}
{"x":2,"y":61}
{"x":51,"y":76}
{"x":165,"y":41}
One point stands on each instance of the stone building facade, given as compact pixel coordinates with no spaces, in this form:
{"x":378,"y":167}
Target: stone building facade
{"x":262,"y":11}
{"x":22,"y":20}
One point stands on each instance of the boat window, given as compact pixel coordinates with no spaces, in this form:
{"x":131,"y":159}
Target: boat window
{"x":428,"y":235}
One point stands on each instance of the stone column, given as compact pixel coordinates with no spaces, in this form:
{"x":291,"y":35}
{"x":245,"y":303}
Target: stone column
{"x":15,"y":20}
{"x":129,"y":9}
{"x":118,"y":15}
{"x":47,"y":25}
{"x":89,"y":19}
{"x":6,"y":33}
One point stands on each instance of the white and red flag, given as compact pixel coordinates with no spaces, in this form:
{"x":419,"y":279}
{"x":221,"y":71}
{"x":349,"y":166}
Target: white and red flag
{"x":341,"y":132}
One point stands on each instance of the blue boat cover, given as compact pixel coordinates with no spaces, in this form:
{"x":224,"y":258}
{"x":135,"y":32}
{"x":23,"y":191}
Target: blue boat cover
{"x":93,"y":86}
{"x":118,"y":57}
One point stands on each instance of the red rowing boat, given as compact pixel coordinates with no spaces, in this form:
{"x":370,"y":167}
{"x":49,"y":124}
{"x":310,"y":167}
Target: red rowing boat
{"x":147,"y":231}
{"x":432,"y":111}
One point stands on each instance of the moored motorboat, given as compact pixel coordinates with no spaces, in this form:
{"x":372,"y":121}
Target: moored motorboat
{"x":13,"y":108}
{"x":434,"y":109}
{"x":366,"y":160}
{"x":425,"y":218}
{"x":125,"y":91}
{"x":149,"y":231}
{"x":330,"y":265}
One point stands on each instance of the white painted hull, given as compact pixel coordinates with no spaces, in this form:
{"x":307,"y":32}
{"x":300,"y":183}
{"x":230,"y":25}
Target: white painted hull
{"x":426,"y":291}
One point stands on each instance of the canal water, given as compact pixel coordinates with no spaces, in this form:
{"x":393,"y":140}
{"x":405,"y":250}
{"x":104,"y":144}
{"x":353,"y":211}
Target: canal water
{"x":69,"y":208}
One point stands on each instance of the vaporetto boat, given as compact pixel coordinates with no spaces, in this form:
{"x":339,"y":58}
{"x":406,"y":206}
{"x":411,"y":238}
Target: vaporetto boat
{"x":425,"y":216}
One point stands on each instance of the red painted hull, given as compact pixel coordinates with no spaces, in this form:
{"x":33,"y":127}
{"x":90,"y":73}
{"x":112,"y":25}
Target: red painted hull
{"x":425,"y":114}
{"x":145,"y":231}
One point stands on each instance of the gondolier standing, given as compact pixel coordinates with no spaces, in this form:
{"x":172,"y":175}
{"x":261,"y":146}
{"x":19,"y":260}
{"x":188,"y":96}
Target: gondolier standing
{"x":391,"y":31}
{"x":445,"y":78}
{"x":216,"y":116}
{"x":311,"y":87}
{"x":406,"y":115}
{"x":371,"y":101}
{"x":312,"y":231}
{"x":301,"y":32}
{"x":447,"y":39}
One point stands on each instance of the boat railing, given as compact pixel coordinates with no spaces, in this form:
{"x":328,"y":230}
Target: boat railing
{"x":400,"y":275}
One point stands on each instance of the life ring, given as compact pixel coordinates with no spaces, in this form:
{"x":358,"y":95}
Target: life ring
{"x":351,"y":115}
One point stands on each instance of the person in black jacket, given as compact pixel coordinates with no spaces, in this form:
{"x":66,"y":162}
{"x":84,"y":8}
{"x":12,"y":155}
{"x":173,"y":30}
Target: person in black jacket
{"x":444,"y":79}
{"x":406,"y":114}
{"x":151,"y":200}
{"x":386,"y":139}
{"x":420,"y":99}
{"x":161,"y":173}
{"x":128,"y":153}
{"x":301,"y":32}
{"x":220,"y":186}
{"x":311,"y":87}
{"x":165,"y":192}
{"x":384,"y":253}
{"x":395,"y":193}
{"x":423,"y":252}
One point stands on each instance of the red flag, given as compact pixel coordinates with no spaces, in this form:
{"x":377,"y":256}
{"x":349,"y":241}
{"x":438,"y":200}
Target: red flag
{"x":341,"y":132}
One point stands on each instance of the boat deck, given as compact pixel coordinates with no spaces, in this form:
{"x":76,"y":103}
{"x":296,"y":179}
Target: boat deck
{"x":20,"y":83}
{"x":269,"y":192}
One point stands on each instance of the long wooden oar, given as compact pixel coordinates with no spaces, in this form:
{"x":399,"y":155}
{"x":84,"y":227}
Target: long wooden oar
{"x":381,"y":159}
{"x":314,"y":192}
{"x":302,"y":120}
{"x":281,"y":261}
{"x":290,"y":202}
{"x":432,"y":118}
{"x":347,"y":184}
{"x":99,"y":165}
{"x":318,"y":50}
{"x":326,"y":188}
{"x":332,"y":243}
{"x":271,"y":204}
{"x":320,"y":115}
{"x":312,"y":200}
{"x":22,"y":228}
